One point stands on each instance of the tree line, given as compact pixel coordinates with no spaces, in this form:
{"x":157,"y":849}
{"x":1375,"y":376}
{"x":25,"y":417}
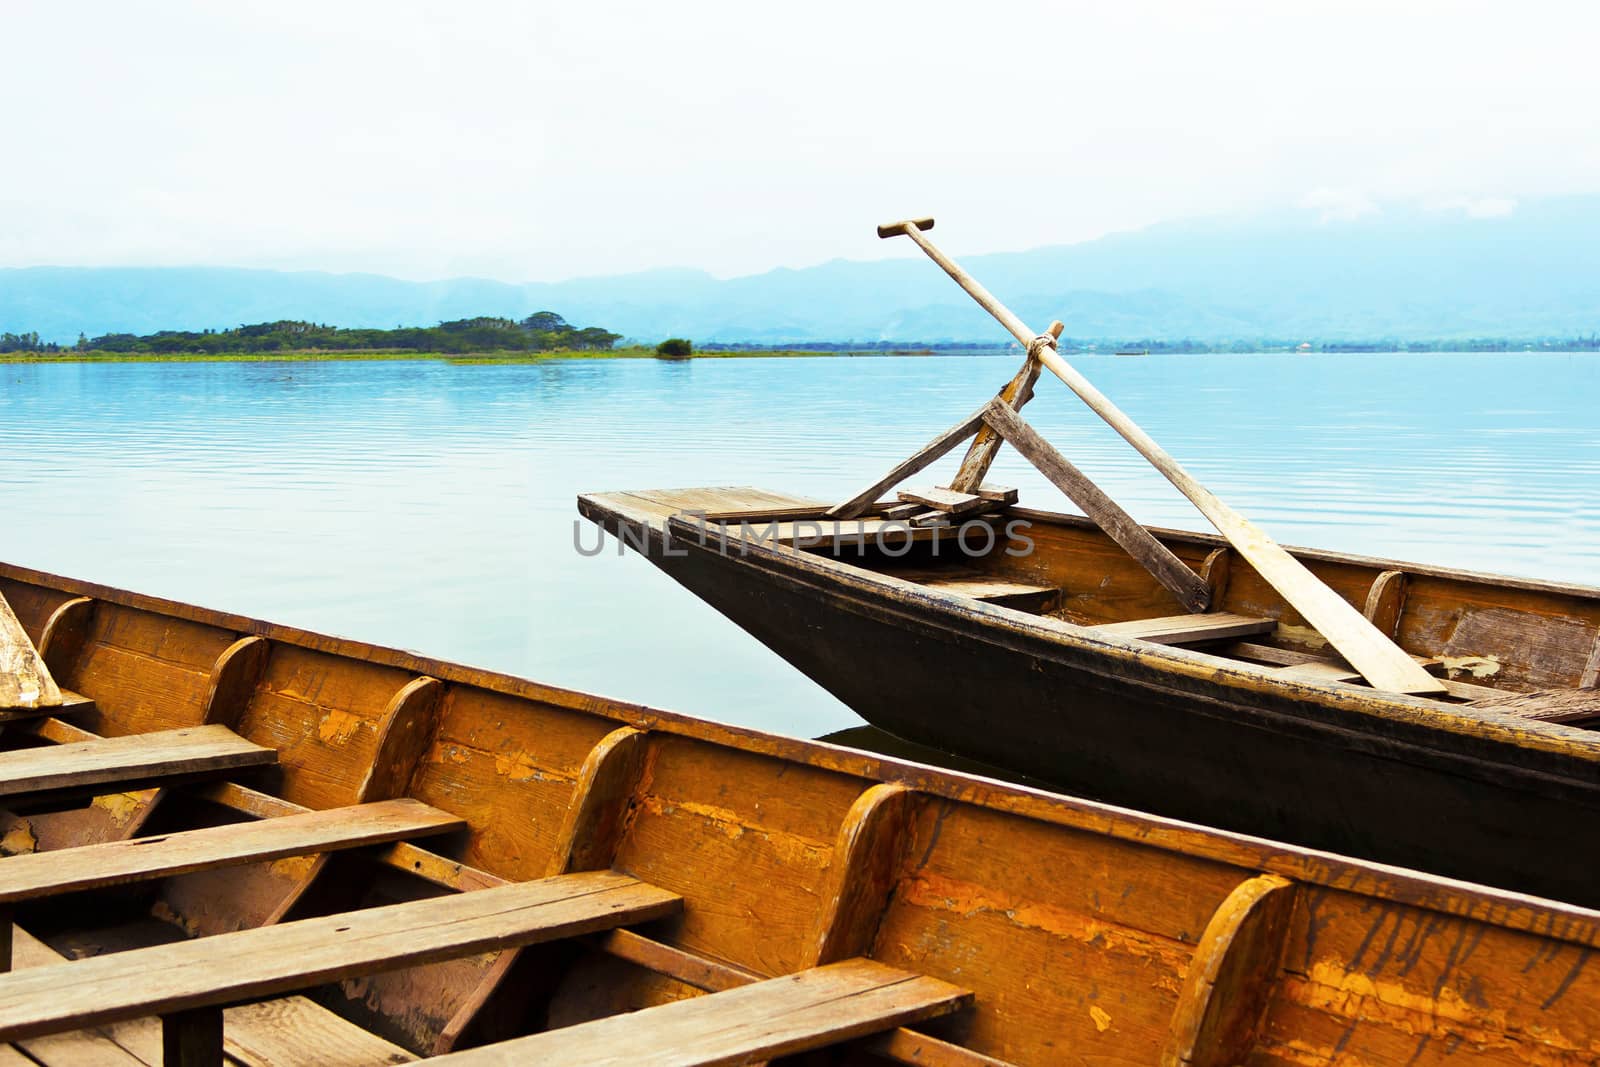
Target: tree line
{"x":542,"y":332}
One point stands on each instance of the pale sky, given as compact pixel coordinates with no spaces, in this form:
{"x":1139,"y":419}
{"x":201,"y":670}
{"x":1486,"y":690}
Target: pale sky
{"x":539,"y":141}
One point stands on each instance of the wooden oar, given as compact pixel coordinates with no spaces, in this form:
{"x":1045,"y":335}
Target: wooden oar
{"x":1381,"y":662}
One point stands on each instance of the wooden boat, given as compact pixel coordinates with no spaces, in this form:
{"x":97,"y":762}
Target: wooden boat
{"x":305,"y":849}
{"x":1074,"y":666}
{"x":1414,"y":715}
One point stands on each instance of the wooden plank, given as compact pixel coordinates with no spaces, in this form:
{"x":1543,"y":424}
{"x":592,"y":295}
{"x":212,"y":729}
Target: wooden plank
{"x":1331,"y":671}
{"x":944,"y":500}
{"x":233,"y":967}
{"x":128,"y":762}
{"x":1185,"y":629}
{"x":1004,"y":495}
{"x":686,"y":967}
{"x":1023,"y":596}
{"x":901,"y":511}
{"x":269,"y":1033}
{"x":138,"y":859}
{"x":920,"y":1050}
{"x":1184,"y":584}
{"x":751,"y":514}
{"x":927,"y":454}
{"x":1231,"y":976}
{"x":292,"y":1030}
{"x":779,"y":1017}
{"x":25,"y":681}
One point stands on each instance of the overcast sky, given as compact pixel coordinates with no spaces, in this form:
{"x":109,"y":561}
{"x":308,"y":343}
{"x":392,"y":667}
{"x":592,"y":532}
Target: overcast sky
{"x":539,"y":141}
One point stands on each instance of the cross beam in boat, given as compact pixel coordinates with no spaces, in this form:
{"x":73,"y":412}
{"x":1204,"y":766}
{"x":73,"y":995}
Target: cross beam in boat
{"x":1183,"y":583}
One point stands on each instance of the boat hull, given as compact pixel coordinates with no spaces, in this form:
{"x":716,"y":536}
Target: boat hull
{"x":1290,"y":763}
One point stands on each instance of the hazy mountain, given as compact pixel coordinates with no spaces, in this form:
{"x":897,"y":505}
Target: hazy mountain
{"x":1471,"y":270}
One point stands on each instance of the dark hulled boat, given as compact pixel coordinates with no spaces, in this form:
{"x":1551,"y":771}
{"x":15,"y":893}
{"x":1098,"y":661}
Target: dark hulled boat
{"x":1073,"y":665}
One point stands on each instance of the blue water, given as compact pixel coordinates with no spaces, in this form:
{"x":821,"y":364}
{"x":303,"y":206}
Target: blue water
{"x":430,"y":505}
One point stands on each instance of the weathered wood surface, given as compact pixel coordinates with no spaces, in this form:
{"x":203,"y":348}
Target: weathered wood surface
{"x":25,"y":681}
{"x":945,"y":500}
{"x":1379,"y":659}
{"x":1560,"y":705}
{"x":1186,"y":629}
{"x":925,"y":456}
{"x":778,"y":1017}
{"x":1076,"y":925}
{"x":284,"y":1032}
{"x":986,"y":446}
{"x":228,"y":968}
{"x":124,"y":762}
{"x":1024,"y":596}
{"x":1234,"y":970}
{"x":142,"y":858}
{"x":1003,"y":495}
{"x":1183,"y":583}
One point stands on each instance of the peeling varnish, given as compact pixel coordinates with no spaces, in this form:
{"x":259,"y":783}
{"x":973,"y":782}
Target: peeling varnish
{"x":337,"y":727}
{"x":1101,"y":1017}
{"x":1477,"y":666}
{"x":120,"y":806}
{"x":519,"y":767}
{"x":1331,"y":988}
{"x":949,"y":894}
{"x":790,"y":848}
{"x":19,"y":840}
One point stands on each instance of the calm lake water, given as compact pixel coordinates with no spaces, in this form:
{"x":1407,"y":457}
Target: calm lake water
{"x":430,"y":506}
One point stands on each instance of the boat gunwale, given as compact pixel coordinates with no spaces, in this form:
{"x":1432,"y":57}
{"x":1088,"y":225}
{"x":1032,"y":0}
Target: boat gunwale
{"x":1309,"y":867}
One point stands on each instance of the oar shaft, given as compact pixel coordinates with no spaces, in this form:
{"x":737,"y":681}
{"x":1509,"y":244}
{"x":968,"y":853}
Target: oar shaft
{"x":1097,"y":401}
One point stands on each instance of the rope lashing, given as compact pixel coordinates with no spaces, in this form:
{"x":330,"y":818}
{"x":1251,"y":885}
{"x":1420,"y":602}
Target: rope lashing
{"x":1042,"y":341}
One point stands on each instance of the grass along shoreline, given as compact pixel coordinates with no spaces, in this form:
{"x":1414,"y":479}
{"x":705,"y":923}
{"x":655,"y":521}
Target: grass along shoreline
{"x":312,"y":355}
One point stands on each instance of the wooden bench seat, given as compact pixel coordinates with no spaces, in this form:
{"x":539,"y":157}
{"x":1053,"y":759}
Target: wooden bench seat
{"x":43,"y":874}
{"x":991,"y":589}
{"x":262,"y":1034}
{"x":777,"y":1017}
{"x":121,"y":764}
{"x":1189,"y":629}
{"x":188,"y":983}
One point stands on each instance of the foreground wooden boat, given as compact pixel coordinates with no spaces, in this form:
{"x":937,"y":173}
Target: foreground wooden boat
{"x":1072,"y":665}
{"x":304,"y":849}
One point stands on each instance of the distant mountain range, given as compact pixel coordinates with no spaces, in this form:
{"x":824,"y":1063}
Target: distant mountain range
{"x":1529,"y":270}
